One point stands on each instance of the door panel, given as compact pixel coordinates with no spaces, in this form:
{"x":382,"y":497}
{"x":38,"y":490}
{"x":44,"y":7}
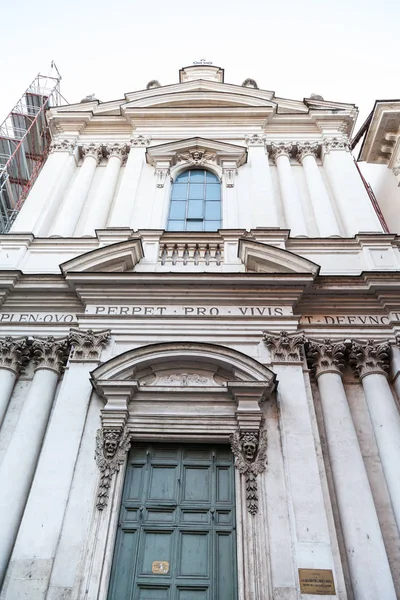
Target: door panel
{"x":176,"y":535}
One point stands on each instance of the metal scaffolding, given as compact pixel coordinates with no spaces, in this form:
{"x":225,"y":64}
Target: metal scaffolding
{"x":24,"y":145}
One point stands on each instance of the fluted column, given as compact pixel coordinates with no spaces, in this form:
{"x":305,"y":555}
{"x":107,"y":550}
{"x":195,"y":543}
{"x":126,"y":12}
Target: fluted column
{"x":370,"y":573}
{"x":19,"y":463}
{"x":100,"y":208}
{"x":73,"y":203}
{"x":43,"y":516}
{"x":14,"y":354}
{"x":46,"y":189}
{"x":262,"y":209}
{"x":123,"y":210}
{"x":356,"y":210}
{"x":371,"y":363}
{"x":292,"y":208}
{"x":321,"y":203}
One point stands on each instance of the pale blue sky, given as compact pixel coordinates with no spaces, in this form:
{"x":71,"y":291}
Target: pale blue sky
{"x":346,"y":50}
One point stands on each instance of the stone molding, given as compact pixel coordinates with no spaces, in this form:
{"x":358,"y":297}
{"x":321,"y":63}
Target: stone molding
{"x":93,"y":150}
{"x":140,"y":140}
{"x":62,"y":146}
{"x":196,"y":157}
{"x":326,"y":356}
{"x":336,"y":143}
{"x":285,"y":348}
{"x":161,"y":175}
{"x":306,"y":149}
{"x":87,"y":345}
{"x":369,"y":358}
{"x":112,"y":446}
{"x":256,"y":139}
{"x":281,"y":149}
{"x":229,"y":176}
{"x":118,"y":150}
{"x":14,"y":353}
{"x":50,"y":353}
{"x":250,"y":450}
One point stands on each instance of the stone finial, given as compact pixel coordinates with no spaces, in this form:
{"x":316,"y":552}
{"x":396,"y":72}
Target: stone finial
{"x":112,"y":446}
{"x":87,"y":345}
{"x":286,"y":347}
{"x":14,"y":353}
{"x":93,"y":150}
{"x":306,"y":149}
{"x":326,"y":356}
{"x":255,"y":139}
{"x":50,"y":353}
{"x":281,"y":149}
{"x":368,"y":358}
{"x":250,"y":450}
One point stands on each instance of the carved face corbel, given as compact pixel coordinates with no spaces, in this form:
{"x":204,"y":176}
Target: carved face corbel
{"x":110,"y":443}
{"x":249,"y":443}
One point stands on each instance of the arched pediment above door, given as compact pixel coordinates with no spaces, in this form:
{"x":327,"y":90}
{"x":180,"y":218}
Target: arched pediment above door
{"x":263,"y":258}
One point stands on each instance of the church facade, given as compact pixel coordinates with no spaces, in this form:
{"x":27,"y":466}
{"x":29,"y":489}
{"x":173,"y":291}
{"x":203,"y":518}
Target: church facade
{"x":200,"y":356}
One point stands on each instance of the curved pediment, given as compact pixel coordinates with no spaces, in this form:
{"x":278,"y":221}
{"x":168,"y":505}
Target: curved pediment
{"x":114,"y":258}
{"x":262,"y":258}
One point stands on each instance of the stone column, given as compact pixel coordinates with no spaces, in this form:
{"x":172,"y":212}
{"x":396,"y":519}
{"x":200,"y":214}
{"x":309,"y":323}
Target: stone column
{"x":19,"y":463}
{"x":14,"y":354}
{"x":371,"y":363}
{"x":321,"y":203}
{"x":123,"y":208}
{"x":311,"y":535}
{"x":356,"y":210}
{"x":41,"y":525}
{"x":263,"y":204}
{"x":45,"y":188}
{"x":395,"y":367}
{"x":100,"y":208}
{"x":294,"y":216}
{"x":371,"y":577}
{"x":73,"y":203}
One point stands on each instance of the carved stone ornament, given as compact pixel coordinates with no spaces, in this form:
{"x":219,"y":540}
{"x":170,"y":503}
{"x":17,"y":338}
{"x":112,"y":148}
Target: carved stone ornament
{"x":306,"y":149}
{"x":326,"y":356}
{"x":285,"y":347}
{"x":93,"y":150}
{"x":196,"y":157}
{"x":140,"y":140}
{"x":118,"y":150}
{"x":336,"y":143}
{"x":87,"y":345}
{"x":62,"y":146}
{"x":161,"y":175}
{"x":50,"y":353}
{"x":229,"y":175}
{"x":184,"y":380}
{"x":112,"y":446}
{"x":281,"y":149}
{"x":14,"y":353}
{"x":255,"y":139}
{"x":369,"y":358}
{"x":250,"y":450}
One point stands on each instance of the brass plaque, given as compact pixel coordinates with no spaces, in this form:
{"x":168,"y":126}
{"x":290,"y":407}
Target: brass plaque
{"x":160,"y":567}
{"x":317,"y":581}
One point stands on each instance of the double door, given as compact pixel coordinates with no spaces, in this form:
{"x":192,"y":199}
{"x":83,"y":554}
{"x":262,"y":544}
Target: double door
{"x":176,"y":533}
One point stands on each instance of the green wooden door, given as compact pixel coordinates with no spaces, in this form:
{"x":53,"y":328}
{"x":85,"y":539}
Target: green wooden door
{"x":176,"y":534}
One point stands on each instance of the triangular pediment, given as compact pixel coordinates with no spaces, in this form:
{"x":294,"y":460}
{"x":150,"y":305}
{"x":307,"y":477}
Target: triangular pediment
{"x":173,"y":150}
{"x":262,"y":258}
{"x":114,"y":258}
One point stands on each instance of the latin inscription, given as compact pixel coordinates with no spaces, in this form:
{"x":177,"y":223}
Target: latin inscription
{"x":189,"y":311}
{"x":318,"y":582}
{"x":37,"y":318}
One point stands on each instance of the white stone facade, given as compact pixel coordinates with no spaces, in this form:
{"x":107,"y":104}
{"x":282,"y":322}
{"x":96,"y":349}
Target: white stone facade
{"x":282,"y":328}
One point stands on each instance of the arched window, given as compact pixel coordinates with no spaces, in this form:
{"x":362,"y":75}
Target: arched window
{"x":195,"y":202}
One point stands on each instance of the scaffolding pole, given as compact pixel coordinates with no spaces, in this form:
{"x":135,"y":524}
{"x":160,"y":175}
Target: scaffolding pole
{"x":24,"y":145}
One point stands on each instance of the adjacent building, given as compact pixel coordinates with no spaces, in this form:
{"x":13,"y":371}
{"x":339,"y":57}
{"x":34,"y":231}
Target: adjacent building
{"x":199,"y":355}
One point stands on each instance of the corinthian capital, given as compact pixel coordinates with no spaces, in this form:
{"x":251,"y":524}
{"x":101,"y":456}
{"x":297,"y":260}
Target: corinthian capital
{"x":255,"y":139}
{"x":118,"y":150}
{"x":93,"y":150}
{"x":369,"y":358}
{"x":87,"y":345}
{"x":62,"y":146}
{"x":336,"y":143}
{"x":14,"y":353}
{"x":281,"y":149}
{"x":306,"y":149}
{"x":326,"y":356}
{"x":286,"y":347}
{"x":50,"y":353}
{"x":140,"y":140}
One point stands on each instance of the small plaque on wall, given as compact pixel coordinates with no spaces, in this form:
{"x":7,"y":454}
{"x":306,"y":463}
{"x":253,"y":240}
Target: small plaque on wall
{"x":160,"y":566}
{"x":317,"y":581}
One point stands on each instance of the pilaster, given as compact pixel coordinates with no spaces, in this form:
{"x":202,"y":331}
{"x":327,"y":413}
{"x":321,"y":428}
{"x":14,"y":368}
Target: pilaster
{"x":14,"y":355}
